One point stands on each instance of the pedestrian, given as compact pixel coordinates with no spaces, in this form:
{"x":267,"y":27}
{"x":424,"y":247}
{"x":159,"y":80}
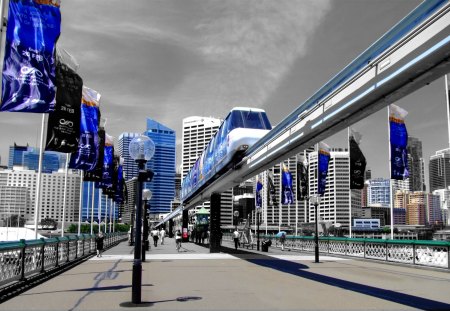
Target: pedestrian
{"x":178,"y":240}
{"x":282,"y":240}
{"x":236,"y":238}
{"x":99,"y":243}
{"x":155,"y":234}
{"x":162,"y":234}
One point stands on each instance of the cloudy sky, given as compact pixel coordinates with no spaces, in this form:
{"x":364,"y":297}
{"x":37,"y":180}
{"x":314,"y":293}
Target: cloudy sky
{"x":170,"y":59}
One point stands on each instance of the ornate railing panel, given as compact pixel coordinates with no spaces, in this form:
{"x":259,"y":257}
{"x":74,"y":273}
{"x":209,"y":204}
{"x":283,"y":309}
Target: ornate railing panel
{"x":23,"y":259}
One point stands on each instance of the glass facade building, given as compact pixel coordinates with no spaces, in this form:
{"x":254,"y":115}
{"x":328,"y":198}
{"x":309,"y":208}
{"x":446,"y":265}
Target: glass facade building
{"x":163,"y":165}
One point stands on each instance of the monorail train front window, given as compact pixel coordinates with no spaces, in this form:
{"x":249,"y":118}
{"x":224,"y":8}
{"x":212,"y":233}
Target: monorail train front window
{"x":250,"y":119}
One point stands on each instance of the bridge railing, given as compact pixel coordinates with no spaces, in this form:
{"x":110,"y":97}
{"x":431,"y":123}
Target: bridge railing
{"x":414,"y":252}
{"x":25,"y":259}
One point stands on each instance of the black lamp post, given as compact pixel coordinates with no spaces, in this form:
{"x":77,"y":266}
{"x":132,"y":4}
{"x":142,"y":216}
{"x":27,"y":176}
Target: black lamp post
{"x":141,"y":150}
{"x":146,"y":196}
{"x":315,"y":199}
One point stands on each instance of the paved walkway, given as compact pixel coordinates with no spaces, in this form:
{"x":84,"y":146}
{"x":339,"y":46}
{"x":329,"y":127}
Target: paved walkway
{"x":237,"y":280}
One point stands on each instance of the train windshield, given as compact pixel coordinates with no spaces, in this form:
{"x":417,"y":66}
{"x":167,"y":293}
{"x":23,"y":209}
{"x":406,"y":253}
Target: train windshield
{"x":249,"y":119}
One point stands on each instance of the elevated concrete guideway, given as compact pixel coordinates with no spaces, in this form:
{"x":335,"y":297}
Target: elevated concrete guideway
{"x":412,"y":54}
{"x":237,"y":280}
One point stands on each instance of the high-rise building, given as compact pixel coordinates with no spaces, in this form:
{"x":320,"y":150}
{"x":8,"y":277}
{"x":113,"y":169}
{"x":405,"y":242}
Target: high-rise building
{"x":416,"y":208}
{"x":16,"y":155}
{"x":434,"y":212}
{"x":163,"y":165}
{"x":130,"y":168}
{"x":439,"y":170}
{"x":378,"y":192}
{"x":444,"y":198}
{"x":415,"y":164}
{"x":197,"y":132}
{"x":52,"y":193}
{"x":50,"y":162}
{"x":334,"y":206}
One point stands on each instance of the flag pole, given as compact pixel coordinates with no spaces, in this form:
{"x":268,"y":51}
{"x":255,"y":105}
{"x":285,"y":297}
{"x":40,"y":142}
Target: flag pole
{"x":99,"y":210}
{"x":447,"y":95}
{"x":65,"y":194}
{"x":390,"y":174}
{"x":349,"y":186}
{"x":106,"y":213}
{"x":281,"y":198}
{"x":80,"y":208}
{"x":3,"y":11}
{"x":39,"y":177}
{"x":296,"y":201}
{"x":92,"y":207}
{"x":305,"y":201}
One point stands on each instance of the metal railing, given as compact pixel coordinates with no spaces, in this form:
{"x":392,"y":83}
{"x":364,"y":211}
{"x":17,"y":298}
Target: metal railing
{"x":414,"y":252}
{"x":23,"y":259}
{"x":434,"y":254}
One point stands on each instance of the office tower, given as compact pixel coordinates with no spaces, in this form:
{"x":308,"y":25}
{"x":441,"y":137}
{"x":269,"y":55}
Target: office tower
{"x":444,"y":198}
{"x":130,"y":168}
{"x":415,"y":164}
{"x":434,"y":212}
{"x":197,"y":132}
{"x":401,"y":199}
{"x":14,"y":200}
{"x":50,"y":162}
{"x":16,"y":155}
{"x":378,"y":192}
{"x":439,"y":170}
{"x":92,"y":206}
{"x":416,"y":208}
{"x":177,"y":185}
{"x":368,"y":174}
{"x":334,"y":206}
{"x":52,"y":193}
{"x":163,"y":165}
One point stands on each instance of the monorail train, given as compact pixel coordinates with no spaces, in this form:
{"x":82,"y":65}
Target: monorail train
{"x":240,"y":129}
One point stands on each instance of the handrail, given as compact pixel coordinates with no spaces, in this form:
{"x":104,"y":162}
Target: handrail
{"x":25,"y":259}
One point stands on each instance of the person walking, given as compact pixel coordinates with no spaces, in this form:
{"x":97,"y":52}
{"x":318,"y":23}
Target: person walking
{"x":236,"y":238}
{"x":99,"y":243}
{"x":155,"y":234}
{"x":282,"y":240}
{"x":162,"y":234}
{"x":178,"y":240}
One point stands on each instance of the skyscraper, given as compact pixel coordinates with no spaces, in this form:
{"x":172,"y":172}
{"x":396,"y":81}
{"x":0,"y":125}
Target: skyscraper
{"x":130,"y":168}
{"x":16,"y":155}
{"x":197,"y":132}
{"x":416,"y":165}
{"x":439,"y":170}
{"x":163,"y":165}
{"x":50,"y":161}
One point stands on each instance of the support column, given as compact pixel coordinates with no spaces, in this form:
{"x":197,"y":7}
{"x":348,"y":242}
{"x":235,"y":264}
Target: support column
{"x":184,"y":233}
{"x":214,"y":224}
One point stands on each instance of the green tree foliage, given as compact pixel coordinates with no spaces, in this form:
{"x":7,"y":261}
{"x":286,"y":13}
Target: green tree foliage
{"x":86,"y":228}
{"x":49,"y":223}
{"x":14,"y":221}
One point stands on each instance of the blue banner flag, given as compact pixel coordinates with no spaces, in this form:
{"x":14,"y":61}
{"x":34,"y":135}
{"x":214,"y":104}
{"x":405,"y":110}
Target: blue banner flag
{"x":86,"y":157}
{"x":286,"y":186}
{"x":118,"y":195}
{"x":258,"y":199}
{"x":357,"y":162}
{"x":108,"y":163}
{"x":322,"y":167}
{"x":399,"y":142}
{"x":28,"y":79}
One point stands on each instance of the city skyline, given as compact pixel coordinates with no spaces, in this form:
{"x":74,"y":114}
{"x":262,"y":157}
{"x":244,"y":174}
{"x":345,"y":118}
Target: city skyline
{"x":170,"y":60}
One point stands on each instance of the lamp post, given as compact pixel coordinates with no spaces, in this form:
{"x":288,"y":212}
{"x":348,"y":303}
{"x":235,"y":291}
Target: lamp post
{"x":146,"y":196}
{"x":141,"y":150}
{"x":236,"y":215}
{"x":315,"y":199}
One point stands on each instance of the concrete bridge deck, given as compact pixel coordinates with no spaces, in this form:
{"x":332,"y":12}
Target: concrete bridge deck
{"x":237,"y":280}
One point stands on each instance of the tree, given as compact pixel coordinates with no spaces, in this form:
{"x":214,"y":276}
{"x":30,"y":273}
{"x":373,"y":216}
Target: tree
{"x":14,"y":221}
{"x":49,"y":223}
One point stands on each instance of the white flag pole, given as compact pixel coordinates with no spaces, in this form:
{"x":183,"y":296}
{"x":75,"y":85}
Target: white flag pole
{"x":80,"y":208}
{"x":390,"y":174}
{"x":296,"y":195}
{"x":65,"y":194}
{"x":447,"y":95}
{"x":92,"y":207}
{"x":38,"y":185}
{"x":349,"y":187}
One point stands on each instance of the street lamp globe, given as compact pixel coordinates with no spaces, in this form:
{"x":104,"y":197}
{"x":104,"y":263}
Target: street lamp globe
{"x":315,"y":199}
{"x":142,"y":148}
{"x":146,"y":194}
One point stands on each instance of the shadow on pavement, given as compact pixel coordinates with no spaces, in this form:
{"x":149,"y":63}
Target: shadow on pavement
{"x":298,"y":269}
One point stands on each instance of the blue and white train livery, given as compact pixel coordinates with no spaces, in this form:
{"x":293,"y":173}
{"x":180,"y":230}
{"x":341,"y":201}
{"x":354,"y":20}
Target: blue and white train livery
{"x":240,"y":130}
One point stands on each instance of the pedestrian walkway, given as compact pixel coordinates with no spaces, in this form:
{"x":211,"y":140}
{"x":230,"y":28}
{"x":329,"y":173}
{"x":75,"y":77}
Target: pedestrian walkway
{"x":237,"y":280}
